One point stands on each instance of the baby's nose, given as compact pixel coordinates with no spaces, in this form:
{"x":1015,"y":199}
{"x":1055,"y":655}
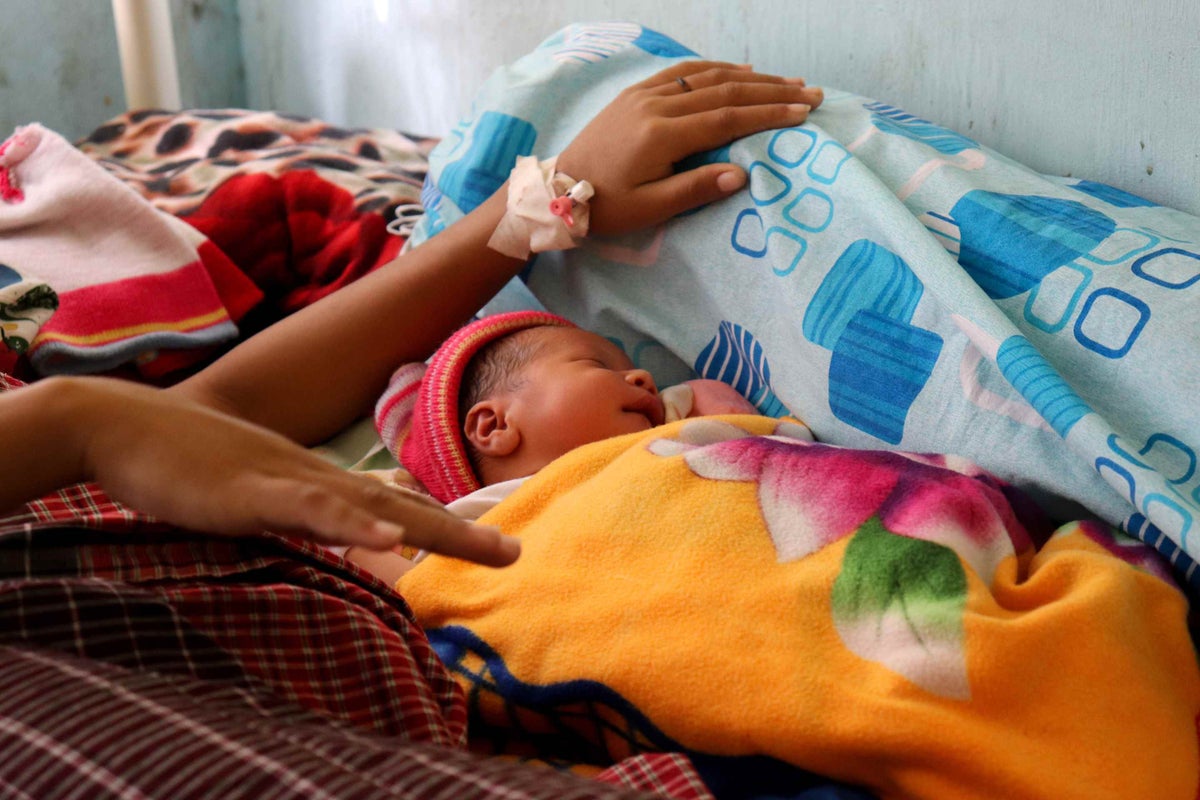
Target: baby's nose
{"x":641,"y":378}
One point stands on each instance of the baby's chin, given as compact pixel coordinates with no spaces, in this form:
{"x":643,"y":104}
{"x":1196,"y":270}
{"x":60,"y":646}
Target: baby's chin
{"x":649,"y":408}
{"x":638,"y":422}
{"x":629,"y":422}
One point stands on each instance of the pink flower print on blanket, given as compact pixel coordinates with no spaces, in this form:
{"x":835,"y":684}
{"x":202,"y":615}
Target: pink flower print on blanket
{"x":811,"y":495}
{"x":806,"y":502}
{"x":900,"y":595}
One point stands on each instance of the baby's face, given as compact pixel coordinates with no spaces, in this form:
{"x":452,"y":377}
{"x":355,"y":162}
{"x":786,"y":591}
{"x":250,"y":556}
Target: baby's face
{"x":581,"y":388}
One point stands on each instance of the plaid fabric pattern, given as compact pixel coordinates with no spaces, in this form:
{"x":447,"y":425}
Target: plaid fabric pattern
{"x":312,"y":629}
{"x":85,"y":728}
{"x":269,"y":667}
{"x":664,"y":774}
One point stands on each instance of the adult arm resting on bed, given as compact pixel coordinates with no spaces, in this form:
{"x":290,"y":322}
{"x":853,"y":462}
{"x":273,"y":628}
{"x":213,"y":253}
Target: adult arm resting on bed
{"x":204,"y":470}
{"x":313,"y":373}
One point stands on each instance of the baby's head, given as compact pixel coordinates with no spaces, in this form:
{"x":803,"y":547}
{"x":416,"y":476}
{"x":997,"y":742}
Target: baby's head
{"x":506,"y":395}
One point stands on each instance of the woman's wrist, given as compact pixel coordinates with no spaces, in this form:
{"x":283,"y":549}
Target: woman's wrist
{"x":81,"y":410}
{"x":62,"y":405}
{"x":545,"y":209}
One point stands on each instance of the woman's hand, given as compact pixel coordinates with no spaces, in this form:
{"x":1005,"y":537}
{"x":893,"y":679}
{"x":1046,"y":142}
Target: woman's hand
{"x":628,"y":151}
{"x":197,"y":468}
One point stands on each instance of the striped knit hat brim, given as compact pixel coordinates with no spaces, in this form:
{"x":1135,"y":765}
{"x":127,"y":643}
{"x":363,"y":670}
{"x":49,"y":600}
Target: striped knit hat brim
{"x":417,"y":416}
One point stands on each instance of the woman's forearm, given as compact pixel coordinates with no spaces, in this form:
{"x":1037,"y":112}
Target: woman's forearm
{"x":311,"y":374}
{"x":201,"y":470}
{"x":39,"y":439}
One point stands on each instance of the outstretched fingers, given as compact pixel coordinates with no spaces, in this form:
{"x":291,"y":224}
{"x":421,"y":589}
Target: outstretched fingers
{"x":719,"y":76}
{"x":704,"y":104}
{"x":717,"y":127}
{"x":735,"y":94}
{"x":430,"y":527}
{"x":365,"y":512}
{"x":684,"y":191}
{"x":324,"y":512}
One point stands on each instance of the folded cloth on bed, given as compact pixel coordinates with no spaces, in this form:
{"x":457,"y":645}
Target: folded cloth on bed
{"x":893,"y":283}
{"x":280,"y":212}
{"x":301,"y":206}
{"x":131,"y":281}
{"x":25,"y":305}
{"x":729,"y":587}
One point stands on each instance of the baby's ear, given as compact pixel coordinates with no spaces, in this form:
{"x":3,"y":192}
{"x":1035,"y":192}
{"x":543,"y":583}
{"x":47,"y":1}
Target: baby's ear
{"x":489,"y":430}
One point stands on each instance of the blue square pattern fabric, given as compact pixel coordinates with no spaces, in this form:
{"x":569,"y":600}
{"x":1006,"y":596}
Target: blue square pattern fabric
{"x":892,"y":283}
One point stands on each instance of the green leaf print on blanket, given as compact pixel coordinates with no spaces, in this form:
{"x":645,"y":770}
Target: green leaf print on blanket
{"x":899,"y":602}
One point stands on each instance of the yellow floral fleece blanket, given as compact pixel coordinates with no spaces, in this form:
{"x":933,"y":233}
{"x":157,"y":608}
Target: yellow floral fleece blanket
{"x":729,"y":587}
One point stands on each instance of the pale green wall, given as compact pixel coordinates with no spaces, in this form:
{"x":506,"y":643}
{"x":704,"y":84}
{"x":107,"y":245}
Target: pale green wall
{"x":1103,"y":89}
{"x":208,"y":48}
{"x":59,"y":63}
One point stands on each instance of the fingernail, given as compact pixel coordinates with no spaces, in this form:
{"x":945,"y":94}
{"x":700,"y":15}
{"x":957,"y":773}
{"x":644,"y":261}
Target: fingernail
{"x":510,"y":547}
{"x":731,"y":180}
{"x":797,"y":81}
{"x":799,"y":108}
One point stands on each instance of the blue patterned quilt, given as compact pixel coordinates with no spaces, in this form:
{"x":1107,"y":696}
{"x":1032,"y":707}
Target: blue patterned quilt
{"x":892,"y":283}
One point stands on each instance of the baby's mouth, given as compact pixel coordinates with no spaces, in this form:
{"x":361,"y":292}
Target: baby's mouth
{"x":650,"y":407}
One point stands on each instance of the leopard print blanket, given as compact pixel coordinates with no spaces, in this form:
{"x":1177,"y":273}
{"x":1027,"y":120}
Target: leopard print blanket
{"x":177,"y":159}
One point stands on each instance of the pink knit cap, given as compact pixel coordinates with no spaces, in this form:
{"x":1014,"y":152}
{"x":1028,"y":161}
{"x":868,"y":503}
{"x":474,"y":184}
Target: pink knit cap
{"x":417,"y":416}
